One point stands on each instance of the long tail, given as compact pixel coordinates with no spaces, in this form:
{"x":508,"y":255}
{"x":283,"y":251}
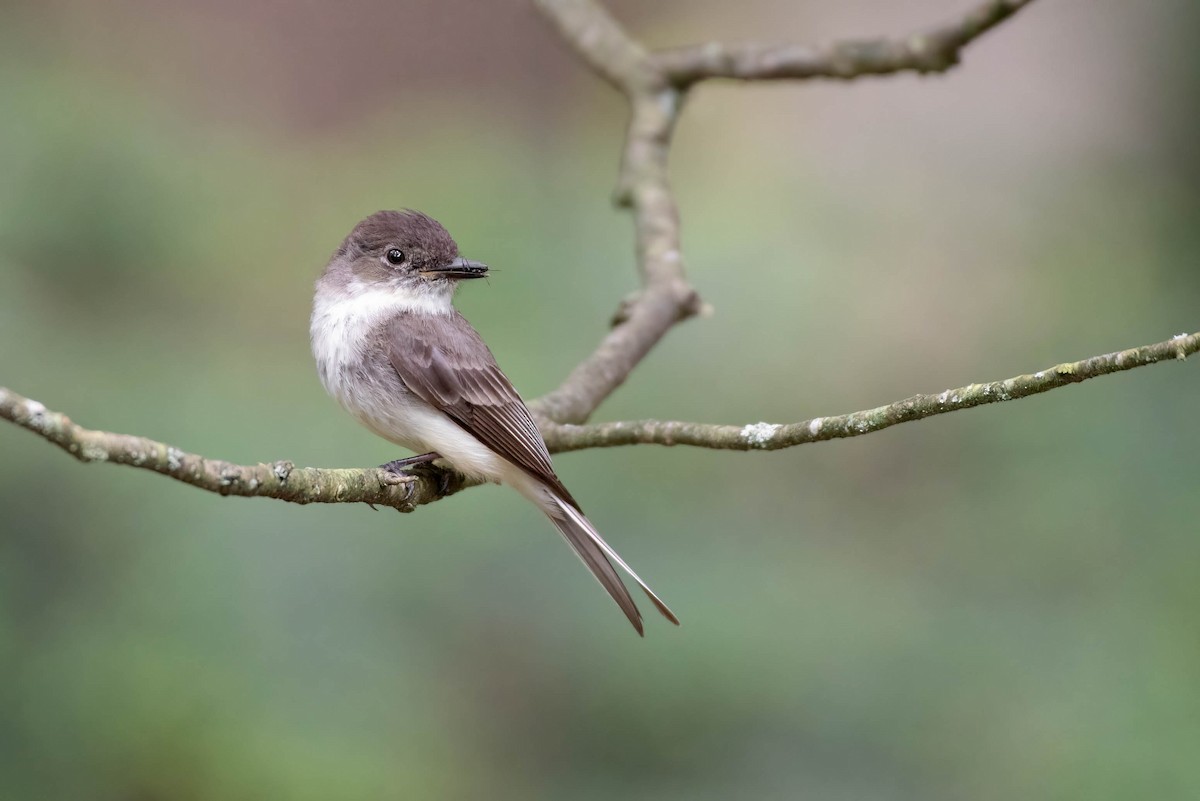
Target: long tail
{"x":591,"y":548}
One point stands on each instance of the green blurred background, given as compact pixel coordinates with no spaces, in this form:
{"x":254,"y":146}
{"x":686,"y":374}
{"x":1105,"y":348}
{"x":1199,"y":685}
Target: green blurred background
{"x":989,"y":605}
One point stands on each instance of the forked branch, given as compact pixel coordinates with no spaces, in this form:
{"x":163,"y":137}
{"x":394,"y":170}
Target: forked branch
{"x":934,"y":50}
{"x":654,"y":84}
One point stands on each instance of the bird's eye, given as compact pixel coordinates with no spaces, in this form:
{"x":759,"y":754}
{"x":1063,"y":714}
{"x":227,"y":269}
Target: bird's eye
{"x":394,"y":256}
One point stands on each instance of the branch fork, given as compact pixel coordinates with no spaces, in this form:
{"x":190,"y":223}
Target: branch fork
{"x":655,"y":84}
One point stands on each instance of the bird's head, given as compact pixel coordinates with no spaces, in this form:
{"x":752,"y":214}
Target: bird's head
{"x":403,"y":254}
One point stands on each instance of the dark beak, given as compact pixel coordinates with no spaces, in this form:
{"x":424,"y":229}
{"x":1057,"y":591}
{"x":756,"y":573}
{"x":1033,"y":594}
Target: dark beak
{"x":459,"y":268}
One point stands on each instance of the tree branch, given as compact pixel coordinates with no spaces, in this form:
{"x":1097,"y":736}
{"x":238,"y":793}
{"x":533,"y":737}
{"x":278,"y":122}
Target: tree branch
{"x":935,"y":50}
{"x":655,"y":85}
{"x":603,"y":44}
{"x":286,"y":482}
{"x":666,"y":297}
{"x":771,"y":436}
{"x":281,"y":480}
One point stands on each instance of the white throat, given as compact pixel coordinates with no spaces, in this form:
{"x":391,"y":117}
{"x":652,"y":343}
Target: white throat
{"x":345,"y":318}
{"x":356,"y":308}
{"x":361,"y":298}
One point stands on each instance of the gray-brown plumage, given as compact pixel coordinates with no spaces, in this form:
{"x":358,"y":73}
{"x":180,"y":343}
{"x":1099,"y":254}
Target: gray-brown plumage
{"x":394,"y":352}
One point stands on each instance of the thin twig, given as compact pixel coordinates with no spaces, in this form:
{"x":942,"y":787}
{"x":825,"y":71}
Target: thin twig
{"x":593,"y":33}
{"x":772,"y":436}
{"x":665,"y":298}
{"x":935,"y":50}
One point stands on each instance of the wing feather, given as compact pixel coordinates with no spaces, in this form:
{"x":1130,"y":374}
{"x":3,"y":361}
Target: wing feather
{"x":445,"y":362}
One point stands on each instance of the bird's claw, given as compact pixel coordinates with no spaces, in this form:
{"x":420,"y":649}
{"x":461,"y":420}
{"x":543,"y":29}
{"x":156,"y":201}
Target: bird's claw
{"x":410,"y":471}
{"x":392,"y":477}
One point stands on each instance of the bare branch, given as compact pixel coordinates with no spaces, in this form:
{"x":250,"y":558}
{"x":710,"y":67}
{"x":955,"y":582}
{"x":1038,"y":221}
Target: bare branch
{"x":655,"y":84}
{"x":286,"y":482}
{"x":280,"y":480}
{"x":935,"y":50}
{"x":770,"y":436}
{"x":666,"y":297}
{"x":597,"y":37}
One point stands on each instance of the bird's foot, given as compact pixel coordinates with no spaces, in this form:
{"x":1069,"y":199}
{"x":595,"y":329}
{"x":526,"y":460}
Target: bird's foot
{"x":414,"y":467}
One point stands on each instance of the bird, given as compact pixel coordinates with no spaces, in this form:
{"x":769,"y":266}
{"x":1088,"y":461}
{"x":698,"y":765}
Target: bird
{"x":396,"y":354}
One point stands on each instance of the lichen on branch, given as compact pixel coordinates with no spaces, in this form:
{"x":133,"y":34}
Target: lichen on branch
{"x":773,"y":436}
{"x":280,"y":479}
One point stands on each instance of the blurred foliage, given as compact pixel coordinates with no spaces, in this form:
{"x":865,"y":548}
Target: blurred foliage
{"x":988,"y":605}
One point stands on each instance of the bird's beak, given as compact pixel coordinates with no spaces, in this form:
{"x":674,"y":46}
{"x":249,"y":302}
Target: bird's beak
{"x":459,"y":268}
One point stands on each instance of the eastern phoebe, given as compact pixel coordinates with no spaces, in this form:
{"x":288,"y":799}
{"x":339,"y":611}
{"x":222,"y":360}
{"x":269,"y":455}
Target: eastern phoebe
{"x":397,"y":355}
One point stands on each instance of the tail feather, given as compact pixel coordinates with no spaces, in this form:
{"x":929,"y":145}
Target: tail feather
{"x":591,"y":548}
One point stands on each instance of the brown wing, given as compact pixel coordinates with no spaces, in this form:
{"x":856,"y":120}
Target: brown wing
{"x":445,"y":363}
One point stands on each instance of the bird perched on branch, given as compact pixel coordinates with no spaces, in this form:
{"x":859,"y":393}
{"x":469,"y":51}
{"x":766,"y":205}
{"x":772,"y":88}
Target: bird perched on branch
{"x":397,"y":355}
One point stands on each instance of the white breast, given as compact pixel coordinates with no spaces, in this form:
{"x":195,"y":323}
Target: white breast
{"x":343,"y":326}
